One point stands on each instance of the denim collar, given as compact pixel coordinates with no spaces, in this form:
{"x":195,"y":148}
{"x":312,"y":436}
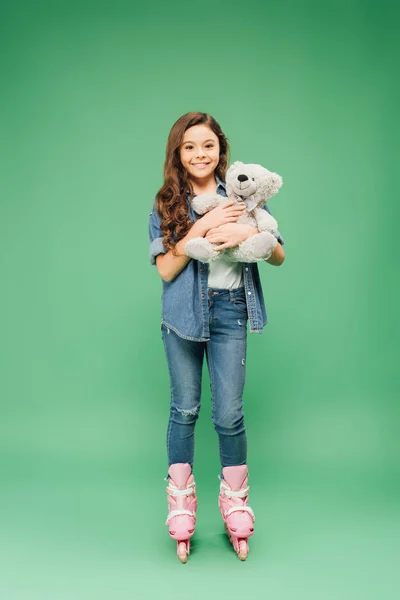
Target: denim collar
{"x":221,"y":187}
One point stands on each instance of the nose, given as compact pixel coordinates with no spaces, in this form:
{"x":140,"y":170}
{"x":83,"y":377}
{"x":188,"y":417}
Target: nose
{"x":242,"y":178}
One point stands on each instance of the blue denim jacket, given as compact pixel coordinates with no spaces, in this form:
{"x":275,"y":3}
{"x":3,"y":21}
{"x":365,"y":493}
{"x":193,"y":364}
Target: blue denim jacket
{"x":185,"y":299}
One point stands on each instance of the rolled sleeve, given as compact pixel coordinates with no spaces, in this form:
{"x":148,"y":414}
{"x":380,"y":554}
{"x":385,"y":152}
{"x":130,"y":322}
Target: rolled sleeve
{"x":156,"y":236}
{"x":277,"y":233}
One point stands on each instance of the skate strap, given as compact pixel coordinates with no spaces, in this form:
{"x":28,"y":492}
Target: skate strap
{"x":173,"y":491}
{"x":237,"y":508}
{"x":231,"y":494}
{"x":179,"y":511}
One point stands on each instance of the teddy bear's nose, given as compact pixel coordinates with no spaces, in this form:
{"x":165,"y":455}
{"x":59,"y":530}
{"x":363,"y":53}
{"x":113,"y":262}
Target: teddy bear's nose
{"x":242,"y":177}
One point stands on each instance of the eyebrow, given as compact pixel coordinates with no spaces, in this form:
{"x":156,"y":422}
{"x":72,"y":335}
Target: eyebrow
{"x":189,"y":142}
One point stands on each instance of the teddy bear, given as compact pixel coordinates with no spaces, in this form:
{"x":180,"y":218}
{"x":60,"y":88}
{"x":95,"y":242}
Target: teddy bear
{"x":253,"y":185}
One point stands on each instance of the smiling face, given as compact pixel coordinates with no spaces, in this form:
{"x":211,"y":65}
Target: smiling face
{"x":199,"y":152}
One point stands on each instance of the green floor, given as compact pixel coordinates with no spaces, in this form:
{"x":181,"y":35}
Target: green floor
{"x":105,"y":538}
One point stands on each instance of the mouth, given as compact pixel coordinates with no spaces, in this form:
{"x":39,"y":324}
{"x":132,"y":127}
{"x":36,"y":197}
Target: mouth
{"x":200,"y":165}
{"x":243,"y":188}
{"x":244,"y":185}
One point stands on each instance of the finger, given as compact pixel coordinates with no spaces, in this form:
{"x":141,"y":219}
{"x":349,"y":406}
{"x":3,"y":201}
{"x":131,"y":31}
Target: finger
{"x":236,"y":215}
{"x":228,"y":203}
{"x":223,"y":246}
{"x":235,"y":211}
{"x":217,"y":239}
{"x":240,"y":206}
{"x":233,"y":206}
{"x":231,"y":219}
{"x":217,"y":234}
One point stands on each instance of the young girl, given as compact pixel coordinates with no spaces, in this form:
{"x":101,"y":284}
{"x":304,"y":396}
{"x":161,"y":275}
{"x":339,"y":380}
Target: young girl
{"x":205,"y":310}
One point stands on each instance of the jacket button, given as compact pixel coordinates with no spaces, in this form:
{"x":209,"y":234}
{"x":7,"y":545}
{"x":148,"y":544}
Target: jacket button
{"x":249,"y":293}
{"x":247,"y":268}
{"x":202,"y":295}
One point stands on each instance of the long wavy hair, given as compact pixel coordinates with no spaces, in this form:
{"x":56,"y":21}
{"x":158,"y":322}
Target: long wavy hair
{"x":171,"y":202}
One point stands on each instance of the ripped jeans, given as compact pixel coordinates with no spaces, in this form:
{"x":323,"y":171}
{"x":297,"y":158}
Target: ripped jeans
{"x":226,"y":358}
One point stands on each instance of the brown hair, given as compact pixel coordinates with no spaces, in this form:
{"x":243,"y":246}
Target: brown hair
{"x":171,"y":203}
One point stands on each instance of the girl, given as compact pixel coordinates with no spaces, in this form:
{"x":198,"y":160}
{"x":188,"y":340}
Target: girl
{"x":205,"y":310}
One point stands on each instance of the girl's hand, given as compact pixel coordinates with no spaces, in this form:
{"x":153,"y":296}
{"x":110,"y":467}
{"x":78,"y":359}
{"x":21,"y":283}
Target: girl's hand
{"x":229,"y":212}
{"x":230,"y":235}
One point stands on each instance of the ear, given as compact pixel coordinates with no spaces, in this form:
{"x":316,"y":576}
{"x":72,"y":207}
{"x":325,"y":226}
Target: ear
{"x":276,"y":183}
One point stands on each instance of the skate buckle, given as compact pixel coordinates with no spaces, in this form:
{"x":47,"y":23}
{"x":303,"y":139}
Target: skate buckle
{"x":173,"y":491}
{"x":176,"y":513}
{"x":234,"y":494}
{"x":238,"y":508}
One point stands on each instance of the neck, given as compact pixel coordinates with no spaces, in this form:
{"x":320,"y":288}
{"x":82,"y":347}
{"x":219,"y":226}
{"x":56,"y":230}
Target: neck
{"x":201,"y":186}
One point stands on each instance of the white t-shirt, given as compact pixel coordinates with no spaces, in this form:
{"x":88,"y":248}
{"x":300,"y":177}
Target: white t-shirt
{"x":225,"y":275}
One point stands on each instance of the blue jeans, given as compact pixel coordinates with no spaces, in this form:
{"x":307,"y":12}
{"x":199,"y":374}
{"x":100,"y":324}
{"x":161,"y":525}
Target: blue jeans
{"x":226,"y":358}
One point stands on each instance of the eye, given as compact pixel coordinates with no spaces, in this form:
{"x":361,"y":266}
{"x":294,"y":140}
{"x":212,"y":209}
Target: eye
{"x":252,"y":179}
{"x":210,"y":145}
{"x":188,"y":147}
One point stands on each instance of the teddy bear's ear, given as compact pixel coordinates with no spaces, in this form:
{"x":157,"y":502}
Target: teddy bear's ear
{"x":236,"y":165}
{"x":276,"y":181}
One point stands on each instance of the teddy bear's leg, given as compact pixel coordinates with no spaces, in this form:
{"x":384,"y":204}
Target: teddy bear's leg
{"x":201,"y":249}
{"x":256,"y":248}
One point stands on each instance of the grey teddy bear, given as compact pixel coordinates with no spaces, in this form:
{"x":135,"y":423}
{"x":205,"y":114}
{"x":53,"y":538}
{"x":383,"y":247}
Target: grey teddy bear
{"x":254,"y":185}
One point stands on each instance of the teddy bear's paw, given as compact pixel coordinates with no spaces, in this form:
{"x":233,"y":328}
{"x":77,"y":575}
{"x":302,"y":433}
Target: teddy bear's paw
{"x":200,"y":249}
{"x":256,"y":248}
{"x":263,"y":244}
{"x":205,"y":202}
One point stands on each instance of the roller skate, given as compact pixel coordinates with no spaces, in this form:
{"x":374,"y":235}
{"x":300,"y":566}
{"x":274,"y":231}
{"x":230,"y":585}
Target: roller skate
{"x":232,"y":500}
{"x":182,"y":503}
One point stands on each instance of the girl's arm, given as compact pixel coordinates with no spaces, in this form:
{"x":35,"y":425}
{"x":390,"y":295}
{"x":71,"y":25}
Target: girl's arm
{"x":229,"y":236}
{"x":170,"y":264}
{"x":277,"y":257}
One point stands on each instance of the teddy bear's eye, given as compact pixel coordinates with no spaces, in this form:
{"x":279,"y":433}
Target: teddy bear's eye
{"x":252,"y":179}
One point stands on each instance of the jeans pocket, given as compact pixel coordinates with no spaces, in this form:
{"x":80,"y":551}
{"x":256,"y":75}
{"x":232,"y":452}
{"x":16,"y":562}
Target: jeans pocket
{"x":240,"y":304}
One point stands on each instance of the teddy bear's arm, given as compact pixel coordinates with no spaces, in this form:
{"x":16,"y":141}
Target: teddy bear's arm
{"x":205,"y":202}
{"x":265,"y":221}
{"x":256,"y":248}
{"x":200,"y":249}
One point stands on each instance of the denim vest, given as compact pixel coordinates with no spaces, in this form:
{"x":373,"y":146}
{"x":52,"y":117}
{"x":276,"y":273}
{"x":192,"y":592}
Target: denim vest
{"x":185,"y":299}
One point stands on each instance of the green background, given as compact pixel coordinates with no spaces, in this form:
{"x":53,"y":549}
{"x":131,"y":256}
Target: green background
{"x":89,"y":93}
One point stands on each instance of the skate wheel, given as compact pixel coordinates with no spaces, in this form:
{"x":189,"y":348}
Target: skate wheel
{"x":182,"y":552}
{"x":243,"y":549}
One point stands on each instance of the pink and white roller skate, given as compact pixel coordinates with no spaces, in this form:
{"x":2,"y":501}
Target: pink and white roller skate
{"x":182,"y":503}
{"x":232,"y":500}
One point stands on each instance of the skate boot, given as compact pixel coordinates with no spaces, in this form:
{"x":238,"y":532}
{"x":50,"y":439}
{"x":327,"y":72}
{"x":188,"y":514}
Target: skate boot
{"x":238,"y":517}
{"x":182,"y":503}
